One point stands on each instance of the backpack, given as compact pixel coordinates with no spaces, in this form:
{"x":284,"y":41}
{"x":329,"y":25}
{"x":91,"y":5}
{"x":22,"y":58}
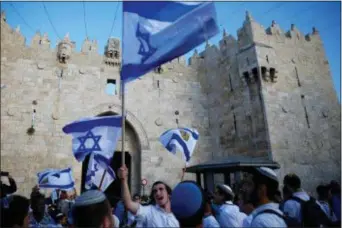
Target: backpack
{"x":312,"y":213}
{"x":290,"y":222}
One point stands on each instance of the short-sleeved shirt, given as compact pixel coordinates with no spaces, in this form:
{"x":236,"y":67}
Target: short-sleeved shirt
{"x":210,"y":221}
{"x":46,"y":222}
{"x":267,"y":219}
{"x":292,"y":208}
{"x":155,"y":216}
{"x":229,"y":215}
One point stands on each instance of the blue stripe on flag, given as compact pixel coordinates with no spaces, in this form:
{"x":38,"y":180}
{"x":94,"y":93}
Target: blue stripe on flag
{"x":181,"y":143}
{"x":50,"y":172}
{"x":167,"y":11}
{"x":105,"y":164}
{"x":86,"y":125}
{"x":68,"y":186}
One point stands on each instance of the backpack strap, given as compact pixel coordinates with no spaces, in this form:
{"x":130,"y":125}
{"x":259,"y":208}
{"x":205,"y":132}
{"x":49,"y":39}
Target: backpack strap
{"x":268,"y":211}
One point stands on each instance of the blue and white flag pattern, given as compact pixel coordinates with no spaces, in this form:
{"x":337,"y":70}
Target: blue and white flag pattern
{"x":94,"y":135}
{"x":56,"y":179}
{"x":180,"y":139}
{"x":157,"y":32}
{"x":96,"y":167}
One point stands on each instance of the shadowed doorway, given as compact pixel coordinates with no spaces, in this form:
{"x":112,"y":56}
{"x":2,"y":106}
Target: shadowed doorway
{"x":132,"y":161}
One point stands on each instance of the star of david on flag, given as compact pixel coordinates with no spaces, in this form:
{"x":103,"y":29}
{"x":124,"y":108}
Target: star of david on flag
{"x":56,"y":179}
{"x":94,"y":135}
{"x":96,"y":167}
{"x":180,"y":139}
{"x":157,"y":32}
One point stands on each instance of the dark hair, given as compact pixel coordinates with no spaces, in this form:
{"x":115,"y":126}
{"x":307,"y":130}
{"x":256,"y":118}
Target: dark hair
{"x":271,"y":185}
{"x":335,"y":188}
{"x":167,"y":187}
{"x":16,"y":212}
{"x":322,"y":191}
{"x":90,"y":215}
{"x":293,"y":181}
{"x":197,"y":218}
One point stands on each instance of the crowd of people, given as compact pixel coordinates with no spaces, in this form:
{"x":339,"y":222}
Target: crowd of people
{"x":256,"y":203}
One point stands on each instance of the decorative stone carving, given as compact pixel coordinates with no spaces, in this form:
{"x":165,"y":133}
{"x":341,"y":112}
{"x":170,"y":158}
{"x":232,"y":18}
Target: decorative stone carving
{"x":159,"y":122}
{"x":64,"y":49}
{"x":113,"y":48}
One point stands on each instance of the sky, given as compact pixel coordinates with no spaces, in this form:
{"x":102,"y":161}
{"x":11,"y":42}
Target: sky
{"x":100,"y":20}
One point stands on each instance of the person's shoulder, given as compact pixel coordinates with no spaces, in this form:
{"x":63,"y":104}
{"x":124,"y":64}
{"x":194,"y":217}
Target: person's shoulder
{"x":267,"y":220}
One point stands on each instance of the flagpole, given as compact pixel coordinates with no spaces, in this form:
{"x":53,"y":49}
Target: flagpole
{"x":184,"y":169}
{"x":123,"y":123}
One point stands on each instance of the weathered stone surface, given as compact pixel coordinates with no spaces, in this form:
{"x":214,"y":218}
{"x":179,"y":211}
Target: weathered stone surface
{"x":234,"y":111}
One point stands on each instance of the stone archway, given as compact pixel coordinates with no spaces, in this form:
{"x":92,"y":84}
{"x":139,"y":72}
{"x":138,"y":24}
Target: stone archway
{"x":132,"y":155}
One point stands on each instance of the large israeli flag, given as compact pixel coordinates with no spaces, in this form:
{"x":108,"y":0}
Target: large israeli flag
{"x":180,"y":139}
{"x":56,"y":179}
{"x":97,"y":166}
{"x":157,"y":32}
{"x":94,"y":135}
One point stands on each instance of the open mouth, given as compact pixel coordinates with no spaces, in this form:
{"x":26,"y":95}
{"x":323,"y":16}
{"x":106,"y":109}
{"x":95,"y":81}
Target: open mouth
{"x":160,"y":198}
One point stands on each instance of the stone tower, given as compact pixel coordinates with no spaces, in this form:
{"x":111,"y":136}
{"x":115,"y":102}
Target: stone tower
{"x":277,"y":100}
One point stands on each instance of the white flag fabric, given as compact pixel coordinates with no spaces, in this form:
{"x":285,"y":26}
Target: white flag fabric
{"x":96,"y":167}
{"x":180,"y":139}
{"x":56,"y":179}
{"x":157,"y":32}
{"x":94,"y":135}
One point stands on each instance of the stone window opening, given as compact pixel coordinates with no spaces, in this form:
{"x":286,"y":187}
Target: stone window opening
{"x":263,"y":72}
{"x":267,"y":59}
{"x":158,"y":85}
{"x":273,"y":74}
{"x":89,"y":48}
{"x":116,"y":54}
{"x":247,"y":60}
{"x":235,"y":127}
{"x":297,"y":76}
{"x":111,"y":54}
{"x":305,"y":110}
{"x":246,"y":76}
{"x":225,"y":42}
{"x":230,"y":82}
{"x":255,"y":74}
{"x":63,"y":60}
{"x":111,"y":88}
{"x":40,"y":42}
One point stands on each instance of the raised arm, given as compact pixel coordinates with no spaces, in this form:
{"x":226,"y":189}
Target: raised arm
{"x":129,"y":203}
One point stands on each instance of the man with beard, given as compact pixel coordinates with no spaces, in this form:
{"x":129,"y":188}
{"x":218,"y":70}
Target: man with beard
{"x":92,"y":209}
{"x":156,"y":215}
{"x":264,"y":187}
{"x":227,"y":214}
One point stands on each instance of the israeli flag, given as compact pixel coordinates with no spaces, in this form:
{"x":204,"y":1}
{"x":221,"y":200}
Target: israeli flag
{"x":56,"y":179}
{"x":157,"y":32}
{"x":94,"y":135}
{"x":180,"y":139}
{"x":97,"y":166}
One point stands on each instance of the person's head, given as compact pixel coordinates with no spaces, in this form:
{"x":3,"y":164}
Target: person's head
{"x":246,"y":205}
{"x":292,"y":181}
{"x":16,"y":212}
{"x":335,"y":188}
{"x":322,"y":192}
{"x":287,"y":193}
{"x":188,"y":204}
{"x":223,"y":193}
{"x":92,"y":209}
{"x":265,"y":186}
{"x":37,"y":202}
{"x":137,"y":198}
{"x":160,"y":193}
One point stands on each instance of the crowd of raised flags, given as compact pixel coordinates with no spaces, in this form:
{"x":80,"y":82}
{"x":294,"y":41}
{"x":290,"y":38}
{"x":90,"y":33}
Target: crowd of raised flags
{"x":155,"y":33}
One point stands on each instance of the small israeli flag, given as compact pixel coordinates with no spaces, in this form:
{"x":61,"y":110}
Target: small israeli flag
{"x":94,"y":135}
{"x":56,"y":179}
{"x":180,"y":139}
{"x":96,"y":167}
{"x":157,"y":32}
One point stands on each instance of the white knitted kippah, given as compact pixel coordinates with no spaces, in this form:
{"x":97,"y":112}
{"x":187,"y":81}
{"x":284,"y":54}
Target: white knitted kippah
{"x":268,"y":173}
{"x":90,"y":197}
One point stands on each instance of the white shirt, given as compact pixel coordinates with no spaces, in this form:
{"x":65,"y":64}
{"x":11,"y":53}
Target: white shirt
{"x":247,"y":221}
{"x":230,"y":216}
{"x":130,"y":218}
{"x":116,"y":221}
{"x":267,"y":219}
{"x":210,"y":221}
{"x":292,"y":208}
{"x":154,"y":216}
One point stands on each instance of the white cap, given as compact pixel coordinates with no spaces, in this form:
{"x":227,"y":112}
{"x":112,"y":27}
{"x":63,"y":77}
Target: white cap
{"x":267,"y":172}
{"x":90,"y":197}
{"x":226,"y":189}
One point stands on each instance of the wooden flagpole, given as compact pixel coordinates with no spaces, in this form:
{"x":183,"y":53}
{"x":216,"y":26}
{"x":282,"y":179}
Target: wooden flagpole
{"x":184,"y":169}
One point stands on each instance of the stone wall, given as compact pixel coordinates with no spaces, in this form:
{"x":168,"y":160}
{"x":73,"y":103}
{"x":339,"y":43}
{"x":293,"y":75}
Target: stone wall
{"x":66,"y":92}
